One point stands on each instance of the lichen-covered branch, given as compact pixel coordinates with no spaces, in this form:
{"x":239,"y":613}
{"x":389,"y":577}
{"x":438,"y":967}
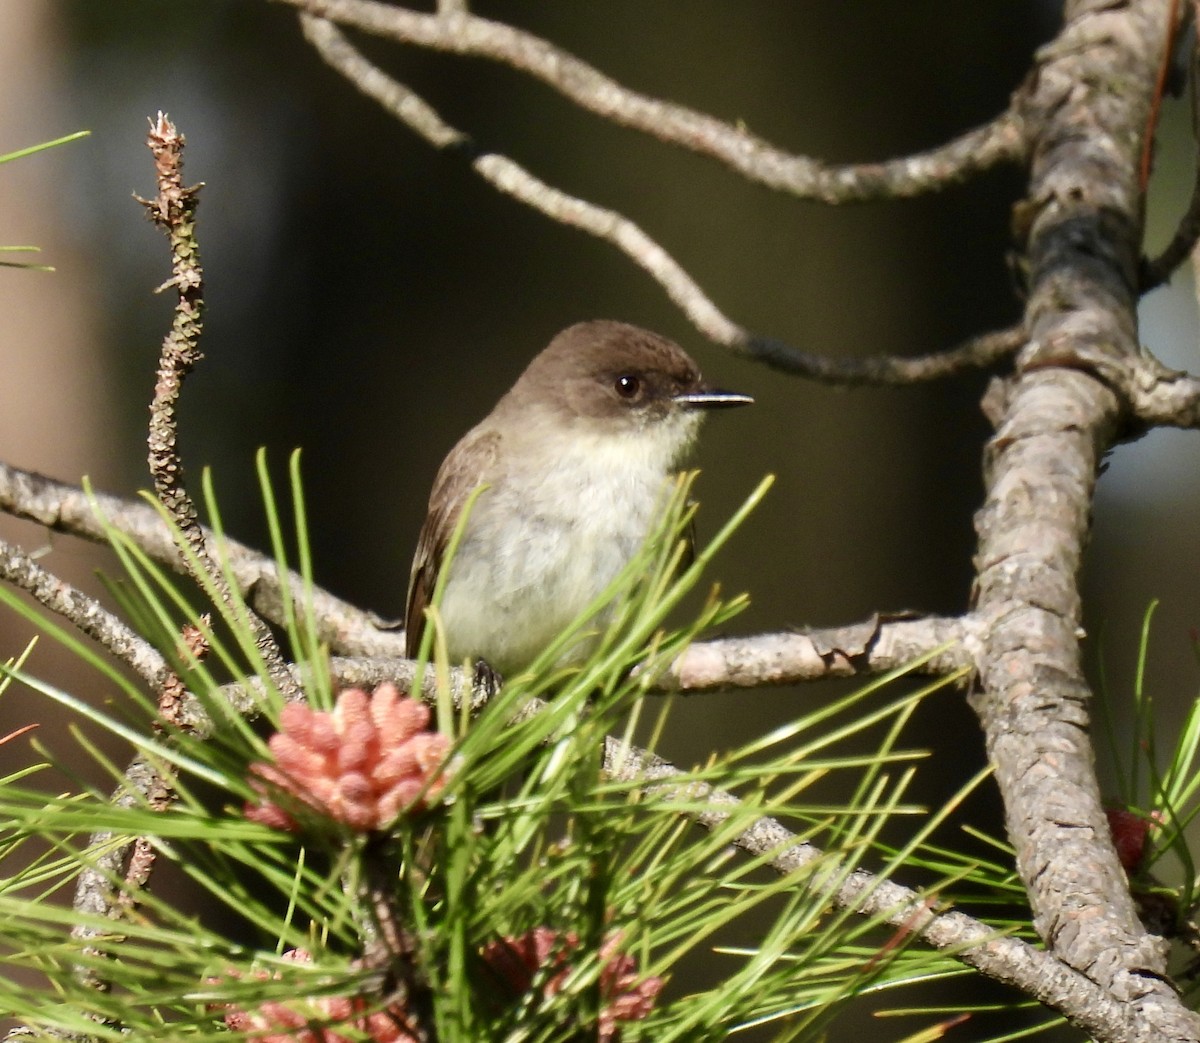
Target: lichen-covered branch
{"x":1054,"y":420}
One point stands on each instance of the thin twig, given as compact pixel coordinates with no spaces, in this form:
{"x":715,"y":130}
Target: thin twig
{"x":173,"y":693}
{"x":98,"y":892}
{"x":112,"y":885}
{"x":1146,"y":164}
{"x":1157,"y":271}
{"x":978,"y":352}
{"x":874,"y":646}
{"x":999,"y":141}
{"x":174,"y":211}
{"x":947,"y":645}
{"x":171,"y":700}
{"x":83,"y":612}
{"x":1156,"y":395}
{"x":514,"y":180}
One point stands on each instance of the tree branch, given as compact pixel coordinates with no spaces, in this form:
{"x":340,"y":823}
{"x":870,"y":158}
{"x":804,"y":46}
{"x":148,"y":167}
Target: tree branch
{"x":1009,"y":960}
{"x":612,"y":227}
{"x":366,"y":654}
{"x":1156,"y":271}
{"x":66,"y":508}
{"x":877,"y":645}
{"x":758,"y":661}
{"x":464,"y":34}
{"x":1035,"y":972}
{"x":174,"y":211}
{"x":85,"y":613}
{"x":1054,"y":421}
{"x":977,"y":352}
{"x":1156,"y":395}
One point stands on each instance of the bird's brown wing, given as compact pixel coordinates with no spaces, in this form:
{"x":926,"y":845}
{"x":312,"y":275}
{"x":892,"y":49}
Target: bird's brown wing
{"x":467,"y":466}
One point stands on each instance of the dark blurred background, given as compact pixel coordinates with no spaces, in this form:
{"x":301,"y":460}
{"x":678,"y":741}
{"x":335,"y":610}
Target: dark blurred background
{"x":368,"y":299}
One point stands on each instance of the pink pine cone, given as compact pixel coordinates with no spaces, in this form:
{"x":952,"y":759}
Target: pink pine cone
{"x":517,"y":959}
{"x":364,"y":764}
{"x":1131,"y":835}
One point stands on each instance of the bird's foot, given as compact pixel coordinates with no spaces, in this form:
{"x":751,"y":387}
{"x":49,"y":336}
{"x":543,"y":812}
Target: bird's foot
{"x":486,"y":682}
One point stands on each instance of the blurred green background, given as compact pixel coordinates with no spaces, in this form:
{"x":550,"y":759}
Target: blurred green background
{"x":369,"y":299}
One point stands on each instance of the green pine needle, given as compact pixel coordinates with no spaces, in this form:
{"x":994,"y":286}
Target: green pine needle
{"x":528,"y":834}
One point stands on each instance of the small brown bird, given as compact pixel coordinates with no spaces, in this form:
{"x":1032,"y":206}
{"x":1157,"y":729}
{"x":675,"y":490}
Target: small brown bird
{"x":575,"y":458}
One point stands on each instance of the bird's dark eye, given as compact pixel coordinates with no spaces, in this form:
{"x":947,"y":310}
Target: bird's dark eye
{"x":628,"y":385}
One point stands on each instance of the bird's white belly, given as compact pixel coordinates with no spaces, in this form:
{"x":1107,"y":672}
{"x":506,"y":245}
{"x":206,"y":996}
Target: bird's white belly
{"x":579,"y":524}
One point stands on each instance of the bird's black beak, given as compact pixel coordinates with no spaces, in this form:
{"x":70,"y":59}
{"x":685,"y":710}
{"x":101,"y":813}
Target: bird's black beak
{"x":712,"y":398}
